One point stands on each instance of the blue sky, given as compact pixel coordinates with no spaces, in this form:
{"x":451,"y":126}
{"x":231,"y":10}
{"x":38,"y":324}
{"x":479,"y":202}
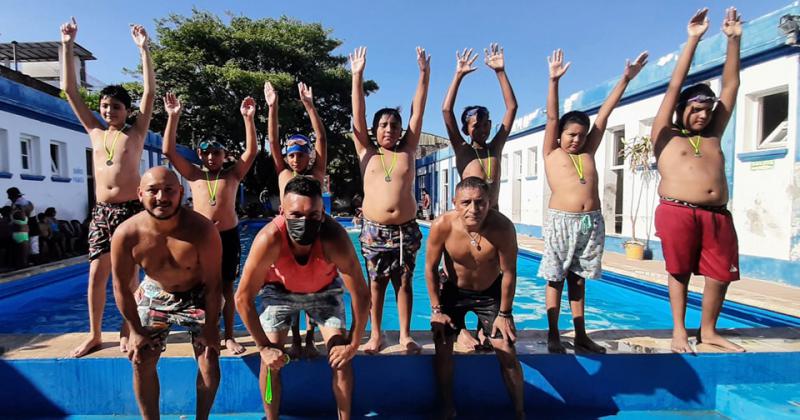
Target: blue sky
{"x":597,"y":37}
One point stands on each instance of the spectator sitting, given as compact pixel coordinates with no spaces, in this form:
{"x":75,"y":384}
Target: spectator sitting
{"x":58,"y":239}
{"x":20,"y":236}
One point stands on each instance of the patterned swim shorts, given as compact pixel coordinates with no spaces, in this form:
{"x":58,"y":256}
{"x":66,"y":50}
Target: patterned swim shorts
{"x":390,"y":249}
{"x":106,"y":217}
{"x":159,"y":309}
{"x":573,"y":242}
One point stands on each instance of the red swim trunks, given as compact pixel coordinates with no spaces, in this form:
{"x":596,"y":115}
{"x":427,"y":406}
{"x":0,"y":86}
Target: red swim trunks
{"x":698,"y":239}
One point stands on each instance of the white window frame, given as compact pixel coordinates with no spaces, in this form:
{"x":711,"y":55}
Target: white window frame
{"x":612,"y":133}
{"x":779,"y":137}
{"x":32,"y":144}
{"x":60,"y":167}
{"x":533,"y":162}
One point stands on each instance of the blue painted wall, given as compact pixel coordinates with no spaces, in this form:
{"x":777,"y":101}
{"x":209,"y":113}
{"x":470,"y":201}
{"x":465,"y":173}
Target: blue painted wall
{"x":602,"y":384}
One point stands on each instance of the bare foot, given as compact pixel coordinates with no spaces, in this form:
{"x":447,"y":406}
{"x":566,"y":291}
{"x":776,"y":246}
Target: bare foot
{"x":554,"y":345}
{"x":296,"y":350}
{"x":123,"y":344}
{"x":89,"y":345}
{"x":680,"y":342}
{"x":717,"y":340}
{"x":374,"y":345}
{"x":411,"y":346}
{"x":233,"y":346}
{"x":585,"y":344}
{"x":467,"y":341}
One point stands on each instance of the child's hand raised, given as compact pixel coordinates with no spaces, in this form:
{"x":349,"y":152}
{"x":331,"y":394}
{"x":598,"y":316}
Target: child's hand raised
{"x":423,"y":60}
{"x":632,"y":69}
{"x":69,"y":31}
{"x":495,"y":58}
{"x":464,"y":61}
{"x":248,"y":108}
{"x":556,"y":64}
{"x":270,"y":95}
{"x":139,"y":35}
{"x":172,"y":104}
{"x":698,"y":24}
{"x":358,"y":60}
{"x":732,"y":25}
{"x":306,"y":93}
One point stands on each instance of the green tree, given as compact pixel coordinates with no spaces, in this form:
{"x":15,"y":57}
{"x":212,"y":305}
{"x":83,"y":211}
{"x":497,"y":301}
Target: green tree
{"x":212,"y":65}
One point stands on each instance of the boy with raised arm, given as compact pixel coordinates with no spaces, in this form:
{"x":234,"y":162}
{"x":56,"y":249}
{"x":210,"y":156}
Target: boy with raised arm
{"x":478,"y":158}
{"x":390,"y":236}
{"x":295,"y":160}
{"x":300,"y":261}
{"x":692,"y":220}
{"x":214,"y":189}
{"x":116,"y":152}
{"x":575,"y":233}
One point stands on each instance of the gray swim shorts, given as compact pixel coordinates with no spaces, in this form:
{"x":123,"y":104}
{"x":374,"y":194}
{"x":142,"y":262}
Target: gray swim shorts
{"x":325,"y":307}
{"x":572,"y":242}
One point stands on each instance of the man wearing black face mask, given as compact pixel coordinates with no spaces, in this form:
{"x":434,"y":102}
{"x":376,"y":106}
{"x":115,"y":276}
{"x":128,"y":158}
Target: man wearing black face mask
{"x":180,"y":252}
{"x":299,"y":262}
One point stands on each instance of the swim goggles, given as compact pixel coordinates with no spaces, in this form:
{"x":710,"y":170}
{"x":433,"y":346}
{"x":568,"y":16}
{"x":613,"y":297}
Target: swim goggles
{"x":702,"y":98}
{"x":206,"y":145}
{"x":297,"y":143}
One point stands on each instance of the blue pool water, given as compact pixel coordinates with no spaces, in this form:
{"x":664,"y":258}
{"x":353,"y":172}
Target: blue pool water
{"x":55,"y":302}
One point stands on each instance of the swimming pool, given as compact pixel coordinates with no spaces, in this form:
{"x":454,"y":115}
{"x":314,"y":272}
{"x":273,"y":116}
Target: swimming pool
{"x":55,"y":302}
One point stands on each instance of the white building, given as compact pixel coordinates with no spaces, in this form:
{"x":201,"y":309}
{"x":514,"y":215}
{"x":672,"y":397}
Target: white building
{"x":760,"y":146}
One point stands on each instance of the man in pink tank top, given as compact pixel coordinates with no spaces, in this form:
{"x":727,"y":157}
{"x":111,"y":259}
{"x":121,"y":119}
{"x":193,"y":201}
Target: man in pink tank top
{"x":300,"y":262}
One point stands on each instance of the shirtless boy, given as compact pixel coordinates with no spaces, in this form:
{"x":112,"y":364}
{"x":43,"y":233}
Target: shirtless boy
{"x":390,"y":237}
{"x":179,"y":251}
{"x":575,"y":234}
{"x":116,"y":152}
{"x":479,"y":246}
{"x":214,"y":189}
{"x":295,"y":160}
{"x":695,"y":227}
{"x":299,"y":262}
{"x":478,"y":158}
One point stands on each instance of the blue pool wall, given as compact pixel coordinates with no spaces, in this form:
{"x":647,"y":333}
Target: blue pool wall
{"x":602,"y":384}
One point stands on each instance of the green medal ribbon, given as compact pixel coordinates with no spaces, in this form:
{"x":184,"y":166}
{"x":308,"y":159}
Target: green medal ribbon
{"x":388,"y":173}
{"x":268,"y":385}
{"x":487,"y":168}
